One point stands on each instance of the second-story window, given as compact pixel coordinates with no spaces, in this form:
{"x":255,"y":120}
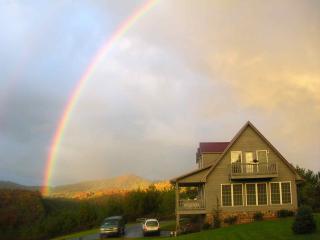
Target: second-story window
{"x":236,"y":156}
{"x":262,"y":156}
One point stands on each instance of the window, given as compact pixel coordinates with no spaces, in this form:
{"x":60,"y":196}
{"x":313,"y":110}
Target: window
{"x":236,"y":156}
{"x":275,"y":193}
{"x":262,"y":156}
{"x":232,"y":194}
{"x":237,"y":194}
{"x":262,"y":193}
{"x":226,"y":195}
{"x":251,"y":193}
{"x":249,"y":157}
{"x":286,"y":192}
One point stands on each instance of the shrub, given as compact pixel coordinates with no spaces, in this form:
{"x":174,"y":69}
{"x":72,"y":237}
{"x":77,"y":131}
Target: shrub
{"x":216,"y":216}
{"x":284,"y":213}
{"x":304,"y":221}
{"x":258,"y":216}
{"x":230,"y":220}
{"x":206,"y":226}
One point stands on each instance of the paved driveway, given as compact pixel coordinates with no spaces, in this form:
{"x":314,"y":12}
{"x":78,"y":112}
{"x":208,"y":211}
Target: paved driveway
{"x":132,"y":231}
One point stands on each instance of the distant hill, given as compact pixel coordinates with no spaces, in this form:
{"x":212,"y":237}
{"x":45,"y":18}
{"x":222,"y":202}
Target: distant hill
{"x":88,"y":189}
{"x":12,"y":185}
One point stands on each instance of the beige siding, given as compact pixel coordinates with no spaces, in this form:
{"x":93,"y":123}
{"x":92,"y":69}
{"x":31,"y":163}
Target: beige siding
{"x":209,"y":158}
{"x":249,"y":141}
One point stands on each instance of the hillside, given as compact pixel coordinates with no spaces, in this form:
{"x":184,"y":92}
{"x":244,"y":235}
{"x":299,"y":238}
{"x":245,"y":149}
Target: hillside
{"x":101,"y":187}
{"x":94,"y":188}
{"x":12,"y":185}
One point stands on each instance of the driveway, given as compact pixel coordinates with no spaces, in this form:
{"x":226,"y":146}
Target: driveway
{"x":132,"y":231}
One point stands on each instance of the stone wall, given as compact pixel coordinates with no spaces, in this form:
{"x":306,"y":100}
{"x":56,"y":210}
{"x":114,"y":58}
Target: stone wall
{"x":242,"y":217}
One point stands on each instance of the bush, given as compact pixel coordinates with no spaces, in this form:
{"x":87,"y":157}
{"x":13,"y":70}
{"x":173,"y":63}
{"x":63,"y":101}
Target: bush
{"x":258,"y":216}
{"x":304,"y":221}
{"x":206,"y":226}
{"x":230,"y":220}
{"x":284,"y":213}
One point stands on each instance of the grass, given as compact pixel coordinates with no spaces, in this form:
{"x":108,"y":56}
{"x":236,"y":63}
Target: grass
{"x":278,"y":229}
{"x":168,"y":225}
{"x":78,"y":234}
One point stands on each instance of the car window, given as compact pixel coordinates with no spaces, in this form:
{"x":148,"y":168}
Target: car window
{"x":111,"y":222}
{"x":152,"y":223}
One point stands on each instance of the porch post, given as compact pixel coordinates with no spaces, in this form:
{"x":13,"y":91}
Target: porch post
{"x":177,"y":207}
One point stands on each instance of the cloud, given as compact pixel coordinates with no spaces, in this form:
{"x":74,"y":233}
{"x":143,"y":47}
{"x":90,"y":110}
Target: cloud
{"x":184,"y":72}
{"x":265,"y":55}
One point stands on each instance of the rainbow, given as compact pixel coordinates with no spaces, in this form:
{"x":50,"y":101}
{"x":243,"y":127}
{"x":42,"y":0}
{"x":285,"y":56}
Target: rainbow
{"x":72,"y":101}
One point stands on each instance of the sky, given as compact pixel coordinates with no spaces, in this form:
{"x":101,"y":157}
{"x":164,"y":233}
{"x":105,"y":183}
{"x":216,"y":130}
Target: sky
{"x":185,"y":72}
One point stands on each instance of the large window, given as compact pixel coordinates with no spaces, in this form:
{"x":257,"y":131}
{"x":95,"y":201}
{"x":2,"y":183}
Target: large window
{"x":232,"y":194}
{"x":257,"y":194}
{"x":251,"y":194}
{"x":237,"y":194}
{"x":280,"y":192}
{"x":275,"y":193}
{"x":226,"y":195}
{"x":262,"y":194}
{"x":286,"y":192}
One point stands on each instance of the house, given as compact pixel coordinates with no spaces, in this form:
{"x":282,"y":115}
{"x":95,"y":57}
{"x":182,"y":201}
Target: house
{"x":240,"y":177}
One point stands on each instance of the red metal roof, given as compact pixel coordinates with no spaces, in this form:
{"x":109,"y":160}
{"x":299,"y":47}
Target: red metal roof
{"x":212,"y":146}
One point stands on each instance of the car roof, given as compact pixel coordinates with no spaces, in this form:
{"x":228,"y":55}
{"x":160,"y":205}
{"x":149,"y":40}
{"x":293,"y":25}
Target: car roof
{"x":151,"y":219}
{"x":113,"y":218}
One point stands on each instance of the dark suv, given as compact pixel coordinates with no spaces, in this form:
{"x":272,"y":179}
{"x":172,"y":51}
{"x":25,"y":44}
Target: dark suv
{"x":112,"y":226}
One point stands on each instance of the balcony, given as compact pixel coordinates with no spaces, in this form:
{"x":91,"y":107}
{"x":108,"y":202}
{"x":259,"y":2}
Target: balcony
{"x":191,"y":204}
{"x":253,"y":170}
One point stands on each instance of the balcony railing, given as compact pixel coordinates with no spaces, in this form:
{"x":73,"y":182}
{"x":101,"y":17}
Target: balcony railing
{"x":253,"y":170}
{"x":191,"y":204}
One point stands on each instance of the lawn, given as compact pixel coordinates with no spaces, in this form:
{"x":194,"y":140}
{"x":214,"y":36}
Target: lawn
{"x":278,"y":229}
{"x":78,"y":234}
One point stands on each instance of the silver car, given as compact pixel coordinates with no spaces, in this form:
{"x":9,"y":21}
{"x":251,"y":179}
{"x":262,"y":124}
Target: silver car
{"x":151,"y":226}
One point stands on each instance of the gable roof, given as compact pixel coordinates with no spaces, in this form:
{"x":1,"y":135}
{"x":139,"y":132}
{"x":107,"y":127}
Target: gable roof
{"x":235,"y":138}
{"x":201,"y":176}
{"x":211,"y":147}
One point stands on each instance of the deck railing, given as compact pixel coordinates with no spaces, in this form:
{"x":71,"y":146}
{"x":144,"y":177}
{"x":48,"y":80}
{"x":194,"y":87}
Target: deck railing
{"x":253,"y":169}
{"x":191,"y":204}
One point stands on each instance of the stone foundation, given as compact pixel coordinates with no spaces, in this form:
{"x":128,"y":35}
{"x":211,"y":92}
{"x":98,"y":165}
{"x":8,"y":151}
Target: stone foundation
{"x":242,"y":217}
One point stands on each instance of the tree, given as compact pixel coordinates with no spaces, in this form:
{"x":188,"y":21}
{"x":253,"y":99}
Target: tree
{"x":304,"y":221}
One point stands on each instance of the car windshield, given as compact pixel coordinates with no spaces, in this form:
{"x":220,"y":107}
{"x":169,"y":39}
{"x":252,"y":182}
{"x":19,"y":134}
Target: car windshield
{"x":111,"y":222}
{"x":152,"y":223}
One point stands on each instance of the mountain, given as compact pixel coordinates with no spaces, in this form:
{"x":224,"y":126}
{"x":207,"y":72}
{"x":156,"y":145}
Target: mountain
{"x":12,"y":185}
{"x":95,"y":188}
{"x":116,"y":184}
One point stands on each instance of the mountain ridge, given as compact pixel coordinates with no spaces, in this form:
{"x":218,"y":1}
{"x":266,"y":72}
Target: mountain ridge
{"x":94,"y":188}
